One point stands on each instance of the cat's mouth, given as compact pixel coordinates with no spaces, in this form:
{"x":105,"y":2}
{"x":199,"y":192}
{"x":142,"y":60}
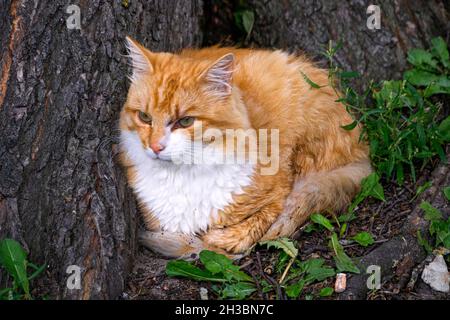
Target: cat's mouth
{"x":152,"y":155}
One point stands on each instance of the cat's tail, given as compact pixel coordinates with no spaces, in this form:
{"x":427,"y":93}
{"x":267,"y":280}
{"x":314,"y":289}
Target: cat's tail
{"x":172,"y":244}
{"x":319,"y":192}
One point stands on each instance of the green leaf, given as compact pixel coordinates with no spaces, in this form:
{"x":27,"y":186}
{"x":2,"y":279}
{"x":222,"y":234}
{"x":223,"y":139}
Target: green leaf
{"x":423,"y":242}
{"x":420,"y":77}
{"x":349,"y":74}
{"x":239,"y":290}
{"x":318,"y":272}
{"x":283,"y":260}
{"x":400,"y":173}
{"x":6,"y":294}
{"x":421,"y":58}
{"x":214,"y":262}
{"x":370,"y":186}
{"x":248,"y":19}
{"x":310,"y":82}
{"x":440,"y":49}
{"x":378,"y":192}
{"x":181,"y":268}
{"x":447,"y":193}
{"x":347,"y":217}
{"x":368,"y":183}
{"x":320,"y":219}
{"x":350,"y":126}
{"x":310,"y":264}
{"x":444,"y":129}
{"x":446,"y":241}
{"x":310,"y":228}
{"x":294,"y":290}
{"x":14,"y":259}
{"x":437,"y":88}
{"x":431,"y":213}
{"x":423,"y":188}
{"x":218,"y":263}
{"x":364,"y":238}
{"x":443,"y":233}
{"x":343,"y":229}
{"x":38,"y":270}
{"x":282,"y":243}
{"x":343,"y":262}
{"x":326,"y":292}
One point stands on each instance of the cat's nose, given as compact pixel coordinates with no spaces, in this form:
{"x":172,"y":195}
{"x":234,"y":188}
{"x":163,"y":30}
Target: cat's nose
{"x":156,"y":147}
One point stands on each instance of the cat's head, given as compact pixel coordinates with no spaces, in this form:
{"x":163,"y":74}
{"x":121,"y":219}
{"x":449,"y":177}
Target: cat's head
{"x":173,"y":98}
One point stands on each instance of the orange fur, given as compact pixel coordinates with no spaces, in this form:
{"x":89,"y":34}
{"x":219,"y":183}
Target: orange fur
{"x":321,"y":164}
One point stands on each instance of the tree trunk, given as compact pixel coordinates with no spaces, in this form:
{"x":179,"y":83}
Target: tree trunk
{"x":308,"y":25}
{"x":62,"y":193}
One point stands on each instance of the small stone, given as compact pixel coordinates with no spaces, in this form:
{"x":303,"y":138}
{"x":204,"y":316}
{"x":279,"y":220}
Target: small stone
{"x":436,"y":275}
{"x":341,"y":283}
{"x":203,"y":293}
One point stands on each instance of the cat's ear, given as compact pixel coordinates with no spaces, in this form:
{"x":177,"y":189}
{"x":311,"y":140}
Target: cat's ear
{"x":219,"y":75}
{"x":140,"y":59}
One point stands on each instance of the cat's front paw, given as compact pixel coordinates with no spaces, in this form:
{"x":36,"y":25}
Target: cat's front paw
{"x":229,"y":239}
{"x":282,"y":227}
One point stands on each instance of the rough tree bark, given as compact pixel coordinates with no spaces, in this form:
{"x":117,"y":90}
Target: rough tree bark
{"x":375,"y":54}
{"x":308,"y":25}
{"x":62,"y":194}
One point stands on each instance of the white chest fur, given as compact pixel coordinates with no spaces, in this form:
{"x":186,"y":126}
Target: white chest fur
{"x":183,"y":197}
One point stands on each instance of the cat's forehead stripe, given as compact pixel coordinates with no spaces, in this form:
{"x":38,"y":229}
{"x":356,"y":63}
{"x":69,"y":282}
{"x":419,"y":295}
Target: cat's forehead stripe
{"x":163,"y":95}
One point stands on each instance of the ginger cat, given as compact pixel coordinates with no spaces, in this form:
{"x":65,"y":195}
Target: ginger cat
{"x":310,"y":165}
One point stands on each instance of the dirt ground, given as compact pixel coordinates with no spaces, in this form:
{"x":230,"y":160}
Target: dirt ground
{"x":382,"y":219}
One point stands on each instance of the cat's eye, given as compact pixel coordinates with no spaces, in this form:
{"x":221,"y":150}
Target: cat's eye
{"x":145,"y":117}
{"x":186,"y":122}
